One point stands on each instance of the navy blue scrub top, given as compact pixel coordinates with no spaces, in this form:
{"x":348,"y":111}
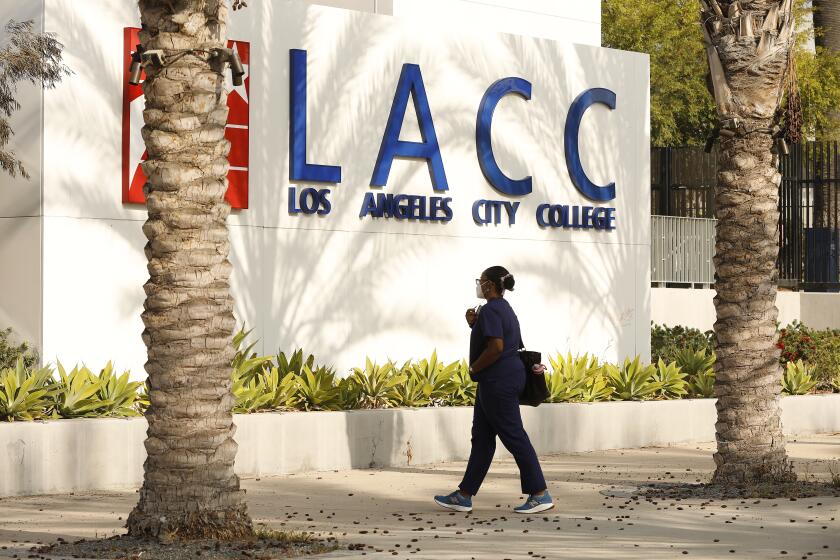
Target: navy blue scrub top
{"x":496,"y":319}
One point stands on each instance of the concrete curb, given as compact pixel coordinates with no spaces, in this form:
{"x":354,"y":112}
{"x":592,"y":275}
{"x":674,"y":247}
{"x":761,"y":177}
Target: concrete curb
{"x":63,"y":456}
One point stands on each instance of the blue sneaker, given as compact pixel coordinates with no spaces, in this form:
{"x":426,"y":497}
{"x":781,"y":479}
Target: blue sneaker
{"x":455,"y":501}
{"x":536,"y":504}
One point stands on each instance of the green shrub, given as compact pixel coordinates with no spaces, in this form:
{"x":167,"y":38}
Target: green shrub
{"x":24,"y":392}
{"x":796,"y":343}
{"x":797,"y":379}
{"x":632,"y":381}
{"x":666,"y":342}
{"x":819,"y":348}
{"x":10,"y":353}
{"x":826,"y":358}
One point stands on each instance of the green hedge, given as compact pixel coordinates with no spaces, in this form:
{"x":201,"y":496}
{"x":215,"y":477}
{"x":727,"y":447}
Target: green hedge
{"x":684,"y":368}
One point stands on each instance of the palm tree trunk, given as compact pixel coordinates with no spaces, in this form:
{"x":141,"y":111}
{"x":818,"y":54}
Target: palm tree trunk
{"x":189,"y":488}
{"x":748,"y":65}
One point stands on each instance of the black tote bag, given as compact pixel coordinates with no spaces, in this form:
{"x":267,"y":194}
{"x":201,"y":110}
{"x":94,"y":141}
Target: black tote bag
{"x":536,"y":390}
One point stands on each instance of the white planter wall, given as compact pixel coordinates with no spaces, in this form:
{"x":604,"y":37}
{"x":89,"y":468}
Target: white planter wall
{"x":106,"y":454}
{"x":695,"y":308}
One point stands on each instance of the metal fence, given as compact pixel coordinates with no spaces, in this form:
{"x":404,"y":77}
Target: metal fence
{"x":681,"y":250}
{"x":682,"y":185}
{"x":682,"y":182}
{"x":809,"y":221}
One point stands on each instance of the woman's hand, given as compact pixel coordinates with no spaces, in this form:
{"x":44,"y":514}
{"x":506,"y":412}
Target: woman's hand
{"x":538,"y":369}
{"x":470,"y":316}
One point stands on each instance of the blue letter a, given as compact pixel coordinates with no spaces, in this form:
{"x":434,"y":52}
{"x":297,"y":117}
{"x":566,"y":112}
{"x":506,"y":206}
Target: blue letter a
{"x":410,"y":84}
{"x":299,"y":170}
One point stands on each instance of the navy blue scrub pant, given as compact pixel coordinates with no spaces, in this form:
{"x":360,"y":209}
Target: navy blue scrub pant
{"x":496,"y":413}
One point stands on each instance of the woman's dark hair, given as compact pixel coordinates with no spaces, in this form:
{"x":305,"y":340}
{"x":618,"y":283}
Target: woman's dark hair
{"x":501,"y":278}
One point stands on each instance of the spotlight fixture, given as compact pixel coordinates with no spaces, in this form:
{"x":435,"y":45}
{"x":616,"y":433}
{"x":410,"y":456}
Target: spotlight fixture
{"x":136,"y":66}
{"x":232,"y":58}
{"x":236,"y":68}
{"x":782,"y":146}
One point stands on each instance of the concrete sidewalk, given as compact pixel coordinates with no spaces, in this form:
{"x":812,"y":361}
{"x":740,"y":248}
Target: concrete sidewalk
{"x":391,"y":512}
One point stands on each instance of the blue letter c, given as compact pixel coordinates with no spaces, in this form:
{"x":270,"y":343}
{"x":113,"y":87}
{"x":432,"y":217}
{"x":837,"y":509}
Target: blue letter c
{"x":483,"y":139}
{"x":583,"y":102}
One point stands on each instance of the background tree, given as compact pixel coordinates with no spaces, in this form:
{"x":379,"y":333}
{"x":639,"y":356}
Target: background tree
{"x":682,"y":112}
{"x":28,"y":56}
{"x":748,"y":45}
{"x":190,"y":489}
{"x":818,"y":72}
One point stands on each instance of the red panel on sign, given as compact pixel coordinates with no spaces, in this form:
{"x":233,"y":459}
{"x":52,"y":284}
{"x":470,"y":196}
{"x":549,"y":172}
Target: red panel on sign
{"x":133,"y":147}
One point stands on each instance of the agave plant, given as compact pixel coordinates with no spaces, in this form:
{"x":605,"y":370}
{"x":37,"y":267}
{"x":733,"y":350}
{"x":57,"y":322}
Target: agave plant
{"x":633,"y":381}
{"x":248,"y":394}
{"x":436,"y":378}
{"x":76,"y":394}
{"x":464,"y":388}
{"x":295,"y":363}
{"x":697,"y":362}
{"x":247,"y":366}
{"x":597,"y":387}
{"x":119,"y":392}
{"x":143,"y":402}
{"x":242,"y":354}
{"x":703,"y":384}
{"x":671,"y":379}
{"x":699,"y":366}
{"x":349,"y":396}
{"x":569,"y":376}
{"x":376,"y":384}
{"x":411,"y":392}
{"x":316,"y":390}
{"x":24,"y":393}
{"x":279,"y":388}
{"x":250,"y":369}
{"x":798,"y":379}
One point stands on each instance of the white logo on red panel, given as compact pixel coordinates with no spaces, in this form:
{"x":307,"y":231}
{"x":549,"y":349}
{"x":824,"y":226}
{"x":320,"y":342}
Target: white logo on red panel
{"x":236,"y":131}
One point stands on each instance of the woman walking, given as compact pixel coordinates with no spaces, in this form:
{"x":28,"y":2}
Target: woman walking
{"x":495,"y":364}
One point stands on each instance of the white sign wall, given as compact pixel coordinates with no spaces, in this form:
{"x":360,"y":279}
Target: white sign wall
{"x":342,"y":286}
